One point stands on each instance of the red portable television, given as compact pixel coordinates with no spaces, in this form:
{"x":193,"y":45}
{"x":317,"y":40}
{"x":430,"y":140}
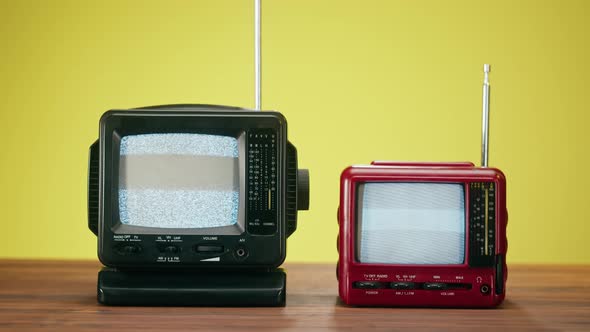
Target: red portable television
{"x":423,"y":234}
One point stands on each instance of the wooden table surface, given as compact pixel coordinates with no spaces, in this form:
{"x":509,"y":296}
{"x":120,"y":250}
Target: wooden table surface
{"x":61,"y":295}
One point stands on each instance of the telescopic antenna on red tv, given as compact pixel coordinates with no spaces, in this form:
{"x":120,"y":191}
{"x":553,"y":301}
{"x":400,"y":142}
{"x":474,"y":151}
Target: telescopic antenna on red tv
{"x":486,"y":116}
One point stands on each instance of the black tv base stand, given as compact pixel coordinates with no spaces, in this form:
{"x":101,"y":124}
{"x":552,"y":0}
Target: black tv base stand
{"x":192,"y":288}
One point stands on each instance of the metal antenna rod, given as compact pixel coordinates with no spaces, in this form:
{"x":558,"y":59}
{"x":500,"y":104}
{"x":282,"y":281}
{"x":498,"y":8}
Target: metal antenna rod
{"x":257,"y":55}
{"x":486,"y":116}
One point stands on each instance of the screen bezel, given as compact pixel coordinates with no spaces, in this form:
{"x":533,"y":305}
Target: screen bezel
{"x":178,"y":121}
{"x":358,"y":219}
{"x":411,"y":172}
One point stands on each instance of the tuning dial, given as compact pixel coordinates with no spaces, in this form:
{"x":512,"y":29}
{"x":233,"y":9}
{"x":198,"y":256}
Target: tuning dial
{"x":302,"y":189}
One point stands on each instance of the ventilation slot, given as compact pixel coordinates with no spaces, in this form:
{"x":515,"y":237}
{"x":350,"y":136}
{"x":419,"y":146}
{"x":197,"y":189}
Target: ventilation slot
{"x":93,"y":178}
{"x":291,"y":189}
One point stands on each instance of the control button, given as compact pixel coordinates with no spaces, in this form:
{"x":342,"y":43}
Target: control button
{"x":366,"y":284}
{"x":434,"y":286}
{"x":208,"y":248}
{"x":402,"y":285}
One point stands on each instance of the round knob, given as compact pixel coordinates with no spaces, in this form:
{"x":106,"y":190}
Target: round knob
{"x":302,"y":189}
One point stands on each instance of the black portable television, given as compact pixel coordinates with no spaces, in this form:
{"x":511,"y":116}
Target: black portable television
{"x":193,"y":204}
{"x":195,"y":187}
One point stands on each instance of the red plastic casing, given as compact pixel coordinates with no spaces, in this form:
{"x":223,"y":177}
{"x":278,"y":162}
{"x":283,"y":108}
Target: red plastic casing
{"x":349,"y":270}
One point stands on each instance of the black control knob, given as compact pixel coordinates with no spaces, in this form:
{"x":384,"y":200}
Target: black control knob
{"x":302,"y":189}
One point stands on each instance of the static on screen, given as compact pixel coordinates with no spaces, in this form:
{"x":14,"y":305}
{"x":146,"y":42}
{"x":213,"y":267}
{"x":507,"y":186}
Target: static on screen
{"x":178,"y":181}
{"x":411,"y":223}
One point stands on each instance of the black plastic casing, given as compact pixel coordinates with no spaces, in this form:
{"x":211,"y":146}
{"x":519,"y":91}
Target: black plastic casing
{"x":254,"y":248}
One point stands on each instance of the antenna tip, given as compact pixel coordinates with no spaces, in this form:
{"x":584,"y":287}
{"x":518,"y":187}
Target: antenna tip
{"x":486,"y":68}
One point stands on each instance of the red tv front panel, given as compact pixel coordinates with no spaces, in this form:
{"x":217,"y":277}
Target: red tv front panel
{"x":478,"y":281}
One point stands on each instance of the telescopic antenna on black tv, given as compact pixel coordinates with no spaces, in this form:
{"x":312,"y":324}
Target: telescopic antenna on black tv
{"x":257,"y":56}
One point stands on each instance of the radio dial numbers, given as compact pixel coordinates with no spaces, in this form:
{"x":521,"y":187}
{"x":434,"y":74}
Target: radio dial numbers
{"x":482,"y":221}
{"x":262,"y":181}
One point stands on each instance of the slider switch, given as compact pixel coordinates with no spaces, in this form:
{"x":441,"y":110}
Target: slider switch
{"x":208,"y":249}
{"x":402,"y":285}
{"x":171,"y":249}
{"x":434,"y":286}
{"x":129,"y":249}
{"x":366,"y":284}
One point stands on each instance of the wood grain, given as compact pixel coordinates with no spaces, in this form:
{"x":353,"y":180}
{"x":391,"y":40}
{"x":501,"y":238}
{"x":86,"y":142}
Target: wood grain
{"x":61,"y":295}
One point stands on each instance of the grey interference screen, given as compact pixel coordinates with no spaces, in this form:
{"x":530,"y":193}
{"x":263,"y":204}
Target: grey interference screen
{"x":180,"y":181}
{"x":411,"y":223}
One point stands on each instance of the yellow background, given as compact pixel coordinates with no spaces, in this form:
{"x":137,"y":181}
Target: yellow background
{"x":357,"y":81}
